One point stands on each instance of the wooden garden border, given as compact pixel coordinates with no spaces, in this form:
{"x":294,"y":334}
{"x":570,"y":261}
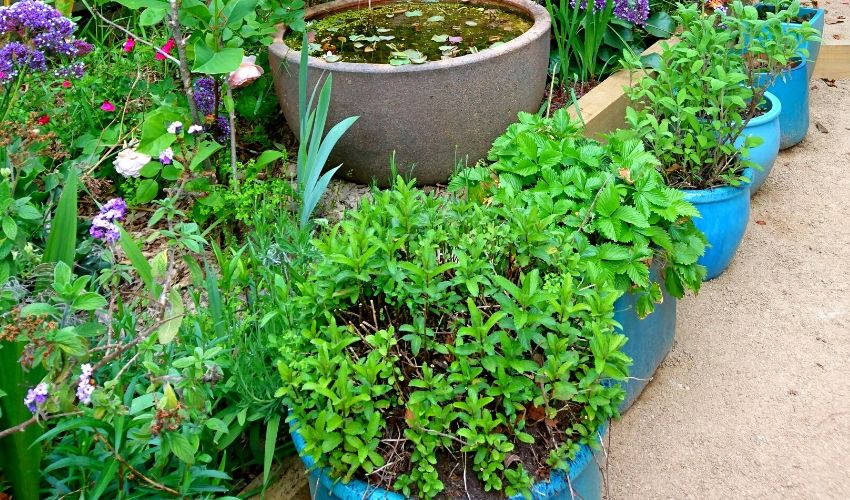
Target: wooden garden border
{"x":603,"y":109}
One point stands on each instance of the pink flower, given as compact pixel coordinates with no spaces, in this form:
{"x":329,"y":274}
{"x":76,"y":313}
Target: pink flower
{"x":129,"y":44}
{"x":246,"y":73}
{"x":107,"y":106}
{"x":43,"y":119}
{"x":166,"y":49}
{"x":66,"y":84}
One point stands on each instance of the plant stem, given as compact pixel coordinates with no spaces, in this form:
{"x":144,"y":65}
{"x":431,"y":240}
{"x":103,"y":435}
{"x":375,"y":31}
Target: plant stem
{"x":185,"y":74}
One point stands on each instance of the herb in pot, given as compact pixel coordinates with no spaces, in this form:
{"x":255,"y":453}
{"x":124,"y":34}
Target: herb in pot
{"x":436,"y":332}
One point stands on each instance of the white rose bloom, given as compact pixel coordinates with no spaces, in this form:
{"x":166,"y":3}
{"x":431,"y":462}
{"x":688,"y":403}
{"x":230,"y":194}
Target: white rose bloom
{"x":129,"y":162}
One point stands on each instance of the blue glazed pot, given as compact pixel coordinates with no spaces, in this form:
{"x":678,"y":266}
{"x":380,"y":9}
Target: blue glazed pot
{"x":764,"y":155}
{"x":585,"y":479}
{"x":813,"y":47}
{"x":792,"y":89}
{"x":650,"y":339}
{"x":724,"y":212}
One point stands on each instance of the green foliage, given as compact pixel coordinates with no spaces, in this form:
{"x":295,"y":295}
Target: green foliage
{"x":62,"y":241}
{"x":694,"y":105}
{"x":770,"y":44}
{"x":456,"y":326}
{"x":622,"y":218}
{"x":242,"y":203}
{"x":314,"y":145}
{"x":579,"y":34}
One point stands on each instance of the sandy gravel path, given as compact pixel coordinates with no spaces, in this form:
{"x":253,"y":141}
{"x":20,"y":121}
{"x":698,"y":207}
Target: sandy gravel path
{"x":754,"y":400}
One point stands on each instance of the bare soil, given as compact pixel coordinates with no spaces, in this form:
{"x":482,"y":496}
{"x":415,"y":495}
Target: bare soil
{"x":754,"y":399}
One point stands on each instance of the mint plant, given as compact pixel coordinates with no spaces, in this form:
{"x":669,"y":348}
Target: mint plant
{"x":621,"y":216}
{"x":695,"y":103}
{"x":430,"y":328}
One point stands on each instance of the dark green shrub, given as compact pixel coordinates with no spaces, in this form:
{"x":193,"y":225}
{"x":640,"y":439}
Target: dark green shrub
{"x":619,"y":214}
{"x":456,"y":328}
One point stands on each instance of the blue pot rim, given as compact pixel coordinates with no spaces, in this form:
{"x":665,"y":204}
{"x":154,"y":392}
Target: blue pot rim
{"x":771,"y":115}
{"x":718,"y":194}
{"x":356,"y":489}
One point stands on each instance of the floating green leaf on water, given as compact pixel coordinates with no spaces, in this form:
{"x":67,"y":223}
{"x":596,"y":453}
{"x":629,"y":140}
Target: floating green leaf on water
{"x":440,"y":38}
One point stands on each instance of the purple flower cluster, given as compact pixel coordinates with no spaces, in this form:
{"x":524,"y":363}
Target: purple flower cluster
{"x":103,"y":225}
{"x":37,"y":34}
{"x":220,"y":129}
{"x":204,"y":95}
{"x":36,"y":396}
{"x":633,"y":11}
{"x":85,"y":387}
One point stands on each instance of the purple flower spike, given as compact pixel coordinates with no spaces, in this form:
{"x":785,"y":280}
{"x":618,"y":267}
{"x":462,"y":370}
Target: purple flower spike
{"x":103,"y":224}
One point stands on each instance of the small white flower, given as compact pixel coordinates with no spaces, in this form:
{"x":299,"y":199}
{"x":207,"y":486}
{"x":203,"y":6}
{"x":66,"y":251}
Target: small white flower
{"x":175,"y":127}
{"x":195,"y":129}
{"x":246,"y":73}
{"x":129,"y":162}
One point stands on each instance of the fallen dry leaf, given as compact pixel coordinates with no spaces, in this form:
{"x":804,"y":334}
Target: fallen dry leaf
{"x":535,"y":413}
{"x":830,"y":82}
{"x":836,"y":36}
{"x":761,"y":222}
{"x":821,"y":128}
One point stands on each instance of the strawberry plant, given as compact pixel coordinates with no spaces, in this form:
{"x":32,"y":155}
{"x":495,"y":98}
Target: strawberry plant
{"x":619,"y":214}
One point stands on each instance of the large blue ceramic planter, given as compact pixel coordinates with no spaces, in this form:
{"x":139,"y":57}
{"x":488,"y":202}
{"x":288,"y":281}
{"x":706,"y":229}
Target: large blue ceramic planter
{"x":764,"y":155}
{"x":585,"y":479}
{"x":650,"y":339}
{"x":792,"y":89}
{"x":724,"y":212}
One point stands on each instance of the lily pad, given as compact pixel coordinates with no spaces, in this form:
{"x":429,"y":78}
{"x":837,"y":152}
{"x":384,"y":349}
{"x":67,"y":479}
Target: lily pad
{"x":415,"y":56}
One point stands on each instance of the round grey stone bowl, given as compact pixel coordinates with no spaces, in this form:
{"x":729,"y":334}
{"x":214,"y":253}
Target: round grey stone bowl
{"x":433,"y":116}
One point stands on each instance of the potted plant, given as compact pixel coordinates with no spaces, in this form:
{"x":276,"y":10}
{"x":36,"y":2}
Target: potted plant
{"x":690,"y":112}
{"x":433,"y":82}
{"x":439,"y":345}
{"x":810,"y":16}
{"x":777,"y":58}
{"x":626,"y":223}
